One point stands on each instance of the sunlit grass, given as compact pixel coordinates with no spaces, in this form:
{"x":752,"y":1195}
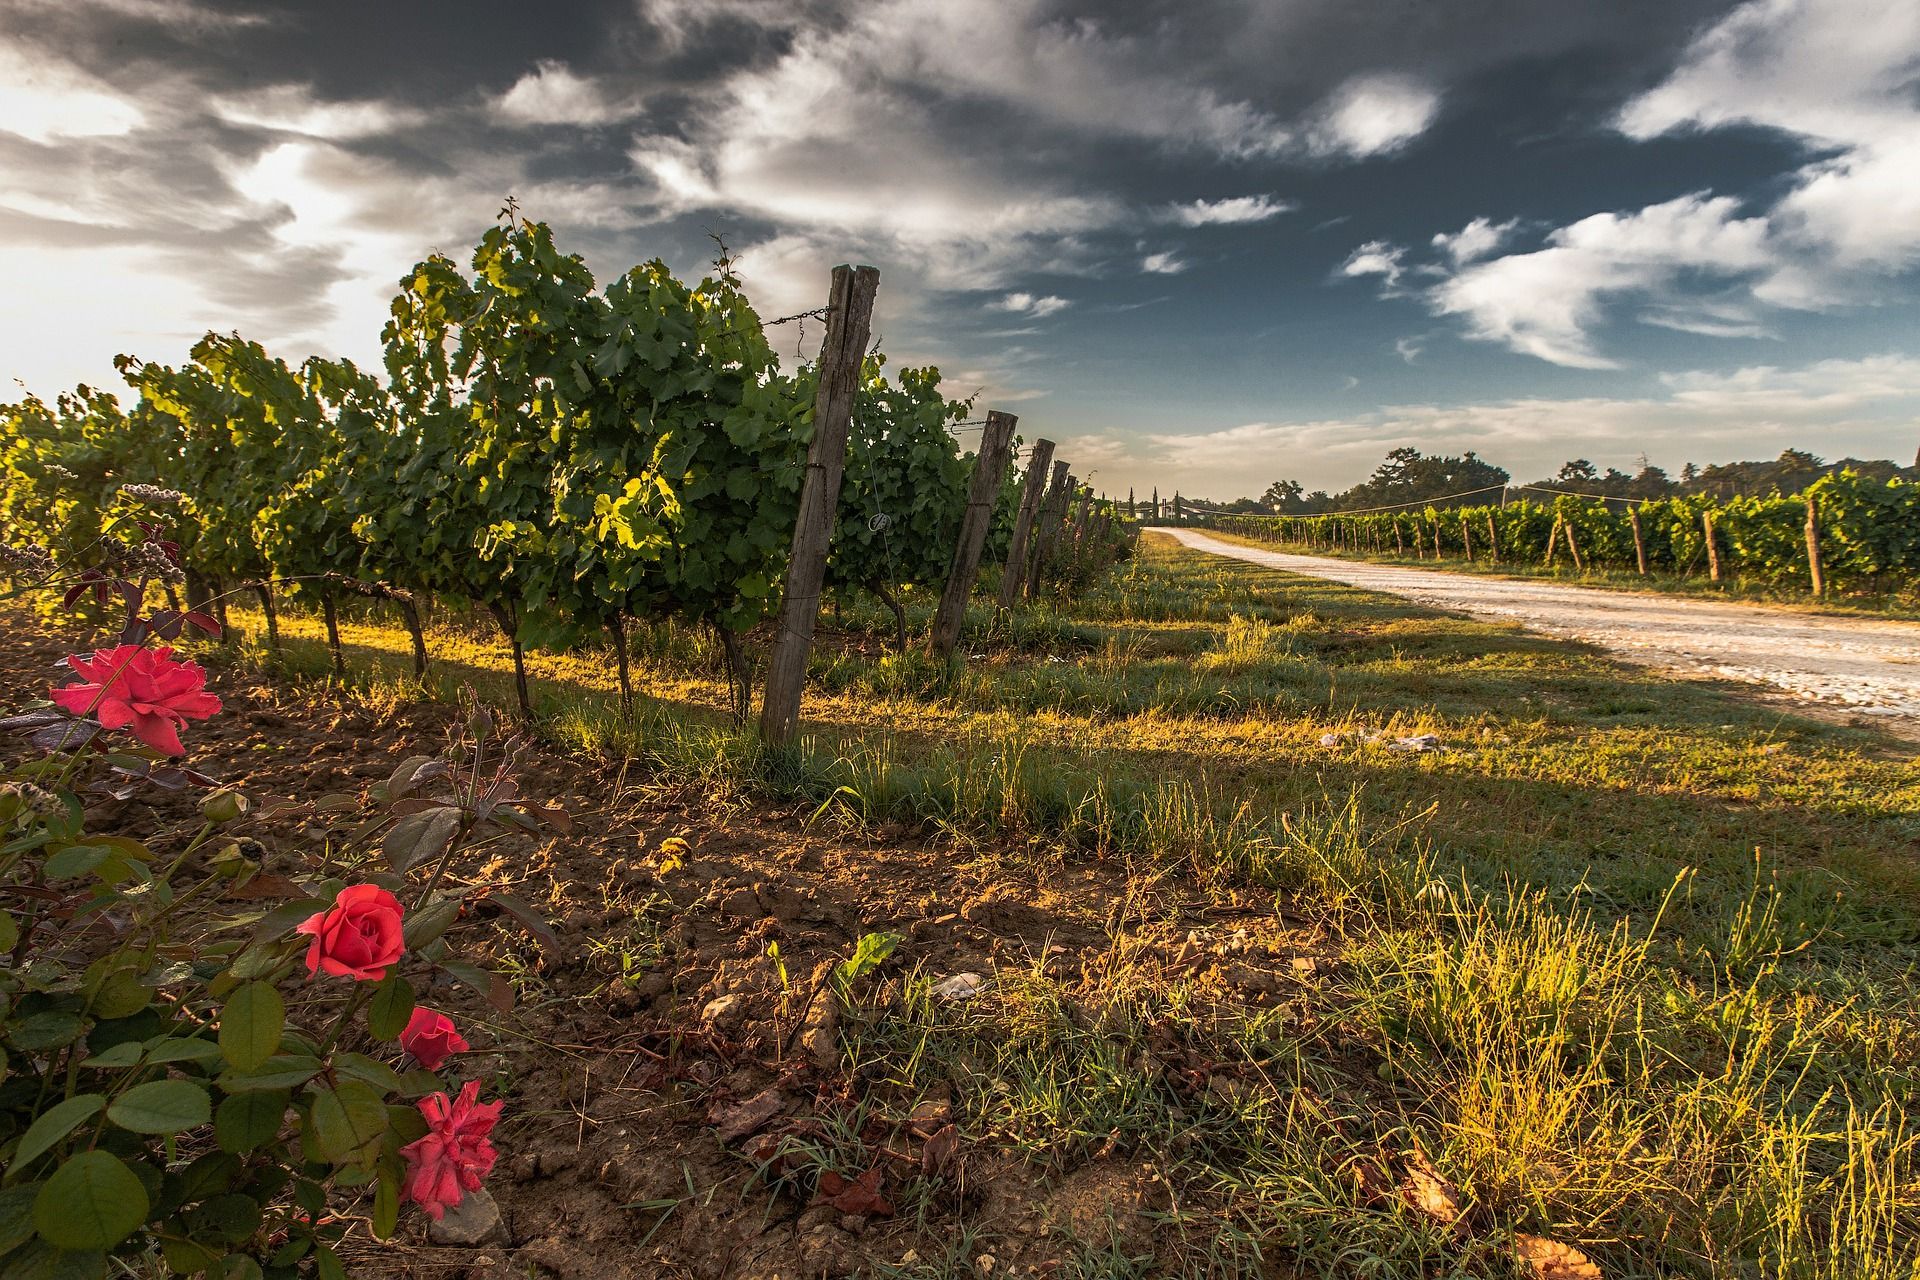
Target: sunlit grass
{"x":1630,"y":959}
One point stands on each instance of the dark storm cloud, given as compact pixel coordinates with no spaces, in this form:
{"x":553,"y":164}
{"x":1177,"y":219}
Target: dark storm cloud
{"x":1549,"y":181}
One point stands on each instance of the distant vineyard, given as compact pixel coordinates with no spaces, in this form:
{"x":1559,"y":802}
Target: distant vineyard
{"x":563,"y":456}
{"x":1844,"y":533}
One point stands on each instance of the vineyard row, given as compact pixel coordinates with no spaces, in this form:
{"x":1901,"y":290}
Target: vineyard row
{"x":563,"y":456}
{"x":1844,"y":533}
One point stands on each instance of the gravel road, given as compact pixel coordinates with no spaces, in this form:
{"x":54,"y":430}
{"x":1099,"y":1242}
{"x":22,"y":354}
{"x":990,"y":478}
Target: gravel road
{"x":1839,"y":664}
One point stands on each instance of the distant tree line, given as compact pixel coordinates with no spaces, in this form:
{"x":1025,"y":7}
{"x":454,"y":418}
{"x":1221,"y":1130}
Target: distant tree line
{"x":1409,"y":476}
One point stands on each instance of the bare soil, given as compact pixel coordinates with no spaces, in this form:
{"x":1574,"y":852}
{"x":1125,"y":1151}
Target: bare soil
{"x":647,"y":1113}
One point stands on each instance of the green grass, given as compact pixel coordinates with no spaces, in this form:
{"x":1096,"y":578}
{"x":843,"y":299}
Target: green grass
{"x":1630,"y":959}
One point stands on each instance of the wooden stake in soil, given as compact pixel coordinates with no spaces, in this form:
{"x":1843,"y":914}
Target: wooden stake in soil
{"x":1573,"y":549}
{"x":848,"y":320}
{"x":1493,"y":540}
{"x":1466,"y":538}
{"x":1436,"y":539}
{"x":1639,"y":541}
{"x":1553,"y":536}
{"x":1399,"y":546}
{"x":1813,"y":549}
{"x":996,"y":446}
{"x":1033,"y":487}
{"x":1713,"y":552}
{"x":1046,"y":529}
{"x":333,"y":634}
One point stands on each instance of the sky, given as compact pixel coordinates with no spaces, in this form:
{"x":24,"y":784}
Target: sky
{"x":1202,"y":244}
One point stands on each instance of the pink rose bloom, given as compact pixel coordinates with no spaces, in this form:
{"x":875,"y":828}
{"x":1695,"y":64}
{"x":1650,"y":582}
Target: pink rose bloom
{"x":455,"y":1156}
{"x":430,"y":1036}
{"x":144,"y":690}
{"x":358,"y":936}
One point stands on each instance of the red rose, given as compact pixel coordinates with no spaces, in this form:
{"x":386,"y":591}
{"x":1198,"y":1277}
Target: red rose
{"x":430,"y":1036}
{"x":456,"y":1155}
{"x":358,"y":936}
{"x":147,"y":691}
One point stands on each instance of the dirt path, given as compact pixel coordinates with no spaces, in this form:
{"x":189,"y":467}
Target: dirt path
{"x":1836,"y":664}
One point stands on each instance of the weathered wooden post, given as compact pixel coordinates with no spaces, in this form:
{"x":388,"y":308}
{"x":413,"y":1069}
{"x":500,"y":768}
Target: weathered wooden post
{"x":1436,"y":538}
{"x":1033,"y":487}
{"x":1493,"y":540}
{"x":1813,"y":549}
{"x":1466,"y":538}
{"x":1713,"y":552}
{"x":996,"y":446}
{"x":1573,"y":549}
{"x":1046,"y":530}
{"x":1639,"y":540}
{"x":1399,"y":546}
{"x":849,"y":317}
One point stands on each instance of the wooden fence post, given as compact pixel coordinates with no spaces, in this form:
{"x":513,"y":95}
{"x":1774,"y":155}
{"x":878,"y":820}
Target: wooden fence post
{"x":1399,"y":544}
{"x":1033,"y":487}
{"x":1046,"y":531}
{"x":1553,"y":536}
{"x":1813,"y":549}
{"x":1573,"y":549}
{"x":1639,"y":540}
{"x":1493,"y":540}
{"x":848,"y":320}
{"x":1436,"y":539}
{"x":1466,"y":537}
{"x":1713,"y":552}
{"x":989,"y":465}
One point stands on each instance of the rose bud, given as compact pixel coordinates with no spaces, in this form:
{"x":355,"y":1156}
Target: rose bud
{"x":430,"y":1037}
{"x":223,"y":806}
{"x":232,"y":862}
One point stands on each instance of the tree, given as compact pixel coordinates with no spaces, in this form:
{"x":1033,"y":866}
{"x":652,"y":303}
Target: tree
{"x":1578,"y":471}
{"x":1283,"y":496}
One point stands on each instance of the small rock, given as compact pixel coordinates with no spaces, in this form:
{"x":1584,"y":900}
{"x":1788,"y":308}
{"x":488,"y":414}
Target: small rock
{"x":649,"y":985}
{"x":474,"y":1221}
{"x":725,"y":1013}
{"x":961,"y":986}
{"x":820,"y":1033}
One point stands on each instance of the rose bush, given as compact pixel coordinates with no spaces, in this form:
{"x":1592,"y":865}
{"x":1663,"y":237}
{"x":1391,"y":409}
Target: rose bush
{"x":204,"y":1065}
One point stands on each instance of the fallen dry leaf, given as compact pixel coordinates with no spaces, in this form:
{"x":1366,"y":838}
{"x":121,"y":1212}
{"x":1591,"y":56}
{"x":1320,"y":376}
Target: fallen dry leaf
{"x":1554,"y":1260}
{"x":860,"y":1196}
{"x":940,"y":1151}
{"x":1424,"y":1189}
{"x":749,"y":1115}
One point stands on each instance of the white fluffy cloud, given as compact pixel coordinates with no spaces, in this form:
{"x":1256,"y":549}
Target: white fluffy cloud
{"x":1163,"y":264}
{"x":44,"y":99}
{"x":1475,"y":240}
{"x":1546,"y":303}
{"x":1027,"y":304}
{"x":1862,"y":408}
{"x":1375,"y":258}
{"x":1373,"y":114}
{"x":1228,"y":212}
{"x":1839,"y":74}
{"x":553,"y":94}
